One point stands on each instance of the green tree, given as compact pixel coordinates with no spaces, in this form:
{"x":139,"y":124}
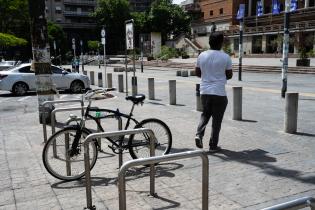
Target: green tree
{"x":8,"y":40}
{"x":56,"y":33}
{"x":94,"y":45}
{"x":168,"y":18}
{"x":113,"y":14}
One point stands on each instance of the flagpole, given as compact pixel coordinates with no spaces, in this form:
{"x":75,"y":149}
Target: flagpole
{"x":285,"y":48}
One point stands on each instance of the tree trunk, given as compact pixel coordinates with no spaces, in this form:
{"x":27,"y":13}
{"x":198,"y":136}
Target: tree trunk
{"x":41,"y":58}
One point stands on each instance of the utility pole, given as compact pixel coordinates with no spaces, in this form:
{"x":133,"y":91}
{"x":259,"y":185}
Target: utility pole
{"x":41,"y":58}
{"x":240,"y":48}
{"x":285,"y":48}
{"x":103,"y":33}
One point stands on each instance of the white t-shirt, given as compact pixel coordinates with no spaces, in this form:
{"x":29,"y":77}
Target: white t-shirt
{"x":213,"y":64}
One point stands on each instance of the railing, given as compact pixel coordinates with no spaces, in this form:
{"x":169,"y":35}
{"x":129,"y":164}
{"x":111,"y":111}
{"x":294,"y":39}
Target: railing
{"x":78,"y":25}
{"x":80,"y":2}
{"x":46,"y":103}
{"x":72,"y":13}
{"x":158,"y":159}
{"x":294,"y":204}
{"x":90,"y":139}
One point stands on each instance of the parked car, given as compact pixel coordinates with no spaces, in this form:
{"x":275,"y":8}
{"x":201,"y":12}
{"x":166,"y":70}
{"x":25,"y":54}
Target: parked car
{"x":21,"y":79}
{"x":8,"y":64}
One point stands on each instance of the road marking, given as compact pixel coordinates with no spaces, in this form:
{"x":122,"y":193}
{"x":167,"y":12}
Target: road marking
{"x":24,"y":98}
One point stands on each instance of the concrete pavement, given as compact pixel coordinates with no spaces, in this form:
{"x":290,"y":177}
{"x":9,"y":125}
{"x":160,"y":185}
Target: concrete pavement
{"x":260,"y":165}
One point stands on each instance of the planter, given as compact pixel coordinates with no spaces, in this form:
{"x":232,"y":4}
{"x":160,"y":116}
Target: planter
{"x":185,"y":56}
{"x":150,"y":58}
{"x":303,"y":62}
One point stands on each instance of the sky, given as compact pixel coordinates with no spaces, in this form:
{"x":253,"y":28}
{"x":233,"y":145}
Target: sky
{"x":177,"y":1}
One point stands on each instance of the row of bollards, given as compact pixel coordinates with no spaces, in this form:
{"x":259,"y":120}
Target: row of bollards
{"x":291,"y":99}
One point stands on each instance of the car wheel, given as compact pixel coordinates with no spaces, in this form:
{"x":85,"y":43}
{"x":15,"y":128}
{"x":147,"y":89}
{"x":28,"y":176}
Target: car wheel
{"x":19,"y":89}
{"x":77,"y":86}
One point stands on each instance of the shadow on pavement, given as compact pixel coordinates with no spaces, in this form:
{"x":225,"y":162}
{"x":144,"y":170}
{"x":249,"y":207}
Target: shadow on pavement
{"x":8,"y":94}
{"x":162,"y":170}
{"x":173,"y":204}
{"x":251,"y":121}
{"x":305,"y":134}
{"x":259,"y":159}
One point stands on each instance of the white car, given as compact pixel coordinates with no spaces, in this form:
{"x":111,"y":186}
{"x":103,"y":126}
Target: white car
{"x":21,"y":79}
{"x":7,"y":64}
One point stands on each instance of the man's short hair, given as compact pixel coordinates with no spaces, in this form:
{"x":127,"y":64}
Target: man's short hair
{"x":216,"y":40}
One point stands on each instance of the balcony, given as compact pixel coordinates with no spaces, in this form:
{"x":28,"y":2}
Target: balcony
{"x":80,"y":2}
{"x":77,"y":14}
{"x":78,"y":25}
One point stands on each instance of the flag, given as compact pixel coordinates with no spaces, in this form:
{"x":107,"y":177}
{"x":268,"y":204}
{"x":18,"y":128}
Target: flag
{"x":241,"y":12}
{"x":275,"y":7}
{"x":294,"y":5}
{"x":260,"y":10}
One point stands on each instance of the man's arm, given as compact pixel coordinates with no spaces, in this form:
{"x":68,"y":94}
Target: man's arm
{"x":229,"y":74}
{"x":198,"y":71}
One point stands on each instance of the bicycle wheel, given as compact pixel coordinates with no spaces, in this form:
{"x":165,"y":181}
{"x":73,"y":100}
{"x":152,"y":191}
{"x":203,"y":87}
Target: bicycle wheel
{"x":139,"y":145}
{"x":56,"y":156}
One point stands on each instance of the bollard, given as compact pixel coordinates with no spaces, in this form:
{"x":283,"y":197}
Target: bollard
{"x":85,"y":72}
{"x":100,"y":79}
{"x":192,"y":73}
{"x":134,"y":85}
{"x":199,"y":107}
{"x":237,"y":103}
{"x":109,"y":80}
{"x":291,"y":112}
{"x":92,"y":77}
{"x":172,"y":91}
{"x":151,"y":88}
{"x":184,"y":73}
{"x":178,"y":73}
{"x":121,"y":83}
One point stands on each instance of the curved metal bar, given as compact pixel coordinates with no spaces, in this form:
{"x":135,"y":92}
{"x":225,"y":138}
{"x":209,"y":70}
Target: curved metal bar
{"x":93,"y":136}
{"x":170,"y":157}
{"x":294,"y":204}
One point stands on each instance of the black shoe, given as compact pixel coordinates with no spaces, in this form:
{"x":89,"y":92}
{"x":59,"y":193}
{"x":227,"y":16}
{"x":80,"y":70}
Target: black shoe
{"x":214,"y":149}
{"x":198,"y":141}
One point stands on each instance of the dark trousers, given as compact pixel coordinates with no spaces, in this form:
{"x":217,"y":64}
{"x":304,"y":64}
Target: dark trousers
{"x":213,"y":106}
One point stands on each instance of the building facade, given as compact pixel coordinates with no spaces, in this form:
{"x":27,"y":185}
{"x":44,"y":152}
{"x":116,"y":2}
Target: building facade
{"x":140,"y":5}
{"x":262,"y":34}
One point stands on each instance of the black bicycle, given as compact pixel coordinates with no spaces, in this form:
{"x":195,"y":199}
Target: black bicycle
{"x":63,"y":154}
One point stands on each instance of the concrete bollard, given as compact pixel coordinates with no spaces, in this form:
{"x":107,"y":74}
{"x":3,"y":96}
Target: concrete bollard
{"x":85,"y":72}
{"x":100,"y":79}
{"x":178,"y":73}
{"x":199,"y":107}
{"x":92,"y":77}
{"x":121,"y":83}
{"x":184,"y":73}
{"x":237,"y":103}
{"x":151,"y":88}
{"x":291,"y":112}
{"x":172,"y":91}
{"x":192,"y":73}
{"x":134,"y":86}
{"x":109,"y":80}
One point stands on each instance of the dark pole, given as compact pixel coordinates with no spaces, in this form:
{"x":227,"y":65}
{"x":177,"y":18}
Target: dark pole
{"x":41,"y":57}
{"x":240,"y":54}
{"x":285,"y":49}
{"x":141,"y":40}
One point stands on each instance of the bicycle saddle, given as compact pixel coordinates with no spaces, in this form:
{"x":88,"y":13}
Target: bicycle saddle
{"x":139,"y":98}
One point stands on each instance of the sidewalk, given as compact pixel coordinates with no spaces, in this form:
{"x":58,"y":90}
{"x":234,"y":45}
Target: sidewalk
{"x":259,"y":166}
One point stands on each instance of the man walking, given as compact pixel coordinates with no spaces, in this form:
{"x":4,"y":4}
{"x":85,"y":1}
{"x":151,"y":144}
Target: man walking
{"x":215,"y":68}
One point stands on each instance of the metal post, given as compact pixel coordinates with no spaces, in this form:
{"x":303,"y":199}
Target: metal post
{"x":299,"y":203}
{"x":99,"y":140}
{"x":109,"y":80}
{"x":88,"y":178}
{"x":68,"y":163}
{"x":152,"y":167}
{"x":237,"y":103}
{"x":172,"y":91}
{"x":141,"y":40}
{"x":291,"y":112}
{"x":103,"y":33}
{"x":240,"y":52}
{"x":151,"y":88}
{"x":285,"y":48}
{"x":120,"y":150}
{"x":126,"y":71}
{"x":82,"y":62}
{"x":134,"y":85}
{"x":121,"y":83}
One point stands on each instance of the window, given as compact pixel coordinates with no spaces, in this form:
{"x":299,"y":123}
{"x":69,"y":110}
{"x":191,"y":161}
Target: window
{"x":58,"y":10}
{"x":221,"y":11}
{"x":211,"y":12}
{"x":26,"y":69}
{"x":56,"y":70}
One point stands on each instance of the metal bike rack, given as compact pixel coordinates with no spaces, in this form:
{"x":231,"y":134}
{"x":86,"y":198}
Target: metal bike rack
{"x":164,"y":158}
{"x":53,"y":115}
{"x":56,"y":102}
{"x":90,"y":138}
{"x":294,"y":204}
